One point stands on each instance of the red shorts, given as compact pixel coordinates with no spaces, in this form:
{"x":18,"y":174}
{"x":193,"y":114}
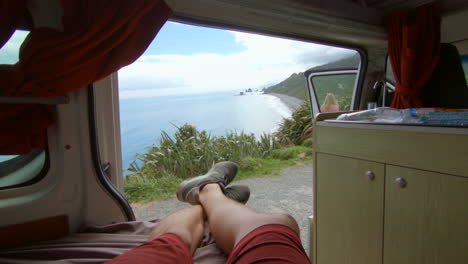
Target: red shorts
{"x":266,"y":244}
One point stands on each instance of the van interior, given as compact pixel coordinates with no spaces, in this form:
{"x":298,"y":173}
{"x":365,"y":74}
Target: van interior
{"x":383,"y":192}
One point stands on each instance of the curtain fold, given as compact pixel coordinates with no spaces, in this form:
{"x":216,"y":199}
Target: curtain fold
{"x":414,"y":48}
{"x":99,"y":37}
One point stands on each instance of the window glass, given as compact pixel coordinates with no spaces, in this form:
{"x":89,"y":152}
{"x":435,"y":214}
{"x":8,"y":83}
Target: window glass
{"x":465,"y":65}
{"x":19,"y":169}
{"x":334,"y":92}
{"x":389,"y":73}
{"x":9,"y":53}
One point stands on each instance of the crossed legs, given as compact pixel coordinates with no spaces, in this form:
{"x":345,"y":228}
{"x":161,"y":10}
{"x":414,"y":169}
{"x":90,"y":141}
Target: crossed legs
{"x":268,"y":237}
{"x":229,"y":220}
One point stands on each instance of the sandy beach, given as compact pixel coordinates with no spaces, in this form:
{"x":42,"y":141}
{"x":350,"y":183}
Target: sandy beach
{"x":292,"y":102}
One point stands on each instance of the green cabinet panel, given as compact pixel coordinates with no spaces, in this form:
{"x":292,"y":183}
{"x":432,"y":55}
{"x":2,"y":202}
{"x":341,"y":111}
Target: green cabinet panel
{"x":349,"y":210}
{"x":426,"y":217}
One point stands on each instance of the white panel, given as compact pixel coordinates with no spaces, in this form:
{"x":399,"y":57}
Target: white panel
{"x":61,"y":191}
{"x":99,"y":207}
{"x":108,"y":126}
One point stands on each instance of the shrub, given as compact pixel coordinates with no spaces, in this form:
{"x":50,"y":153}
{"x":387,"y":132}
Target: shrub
{"x":297,"y":130}
{"x":193,"y":152}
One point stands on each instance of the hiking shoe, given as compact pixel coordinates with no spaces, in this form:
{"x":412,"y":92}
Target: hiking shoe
{"x":222,"y":173}
{"x":240,"y":193}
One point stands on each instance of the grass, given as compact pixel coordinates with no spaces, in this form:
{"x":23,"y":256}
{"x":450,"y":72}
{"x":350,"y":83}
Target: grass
{"x":147,"y":188}
{"x":256,"y":168}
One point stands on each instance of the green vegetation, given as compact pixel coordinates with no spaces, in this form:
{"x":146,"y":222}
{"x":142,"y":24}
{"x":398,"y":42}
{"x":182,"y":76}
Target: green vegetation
{"x":192,"y":152}
{"x":147,"y":187}
{"x":295,"y":86}
{"x":296,"y":130}
{"x":341,"y":86}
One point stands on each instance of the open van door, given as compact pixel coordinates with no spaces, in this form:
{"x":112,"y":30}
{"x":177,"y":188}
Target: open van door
{"x":332,"y":91}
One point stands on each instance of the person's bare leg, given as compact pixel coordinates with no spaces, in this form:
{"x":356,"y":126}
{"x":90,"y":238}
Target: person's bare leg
{"x":187,"y":223}
{"x":230,"y":221}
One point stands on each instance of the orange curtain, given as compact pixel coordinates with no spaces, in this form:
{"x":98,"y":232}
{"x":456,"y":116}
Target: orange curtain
{"x":99,"y":37}
{"x":413,"y":47}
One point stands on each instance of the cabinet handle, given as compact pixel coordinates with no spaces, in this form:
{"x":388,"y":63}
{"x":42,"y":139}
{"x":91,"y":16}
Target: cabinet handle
{"x":401,"y":182}
{"x":370,"y":175}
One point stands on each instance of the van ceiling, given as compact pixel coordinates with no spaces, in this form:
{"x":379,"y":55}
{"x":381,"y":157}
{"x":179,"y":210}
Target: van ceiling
{"x":351,"y":23}
{"x":345,"y":22}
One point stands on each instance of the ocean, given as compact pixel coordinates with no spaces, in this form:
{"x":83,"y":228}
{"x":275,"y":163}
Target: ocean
{"x":143,"y":119}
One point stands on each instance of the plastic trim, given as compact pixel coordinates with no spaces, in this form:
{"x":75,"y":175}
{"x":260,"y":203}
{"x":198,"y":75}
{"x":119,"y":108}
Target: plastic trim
{"x":101,"y":175}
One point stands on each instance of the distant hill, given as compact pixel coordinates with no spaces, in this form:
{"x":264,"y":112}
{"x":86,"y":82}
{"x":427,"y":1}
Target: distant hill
{"x":295,"y":85}
{"x":343,"y":64}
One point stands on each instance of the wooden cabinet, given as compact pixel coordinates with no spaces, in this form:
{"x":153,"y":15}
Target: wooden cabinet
{"x":426,"y":217}
{"x":349,"y":196}
{"x":414,"y":210}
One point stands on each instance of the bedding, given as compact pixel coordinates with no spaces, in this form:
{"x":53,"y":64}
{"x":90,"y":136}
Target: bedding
{"x":97,"y":244}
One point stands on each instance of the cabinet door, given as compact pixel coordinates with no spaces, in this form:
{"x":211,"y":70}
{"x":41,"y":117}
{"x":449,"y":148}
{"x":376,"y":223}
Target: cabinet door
{"x":349,"y":210}
{"x":426,"y":221}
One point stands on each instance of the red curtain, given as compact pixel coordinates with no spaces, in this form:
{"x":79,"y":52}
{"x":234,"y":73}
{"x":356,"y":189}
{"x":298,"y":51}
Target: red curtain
{"x":413,"y":47}
{"x":99,"y":37}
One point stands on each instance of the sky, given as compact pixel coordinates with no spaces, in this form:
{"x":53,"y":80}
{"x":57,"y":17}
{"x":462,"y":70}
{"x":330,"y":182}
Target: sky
{"x":185,"y":59}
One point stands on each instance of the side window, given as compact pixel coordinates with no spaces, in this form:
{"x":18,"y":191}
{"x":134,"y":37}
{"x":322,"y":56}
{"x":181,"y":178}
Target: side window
{"x":19,"y":170}
{"x":334,"y":92}
{"x":22,"y":170}
{"x":464,"y":59}
{"x":9,"y":53}
{"x":388,"y":91}
{"x":332,"y":87}
{"x":389,"y":76}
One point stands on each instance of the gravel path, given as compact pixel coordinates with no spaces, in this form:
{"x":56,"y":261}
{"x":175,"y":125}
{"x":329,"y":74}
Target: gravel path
{"x":289,"y":191}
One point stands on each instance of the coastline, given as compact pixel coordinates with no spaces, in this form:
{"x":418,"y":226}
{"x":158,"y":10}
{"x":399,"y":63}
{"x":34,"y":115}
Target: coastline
{"x":291,"y":102}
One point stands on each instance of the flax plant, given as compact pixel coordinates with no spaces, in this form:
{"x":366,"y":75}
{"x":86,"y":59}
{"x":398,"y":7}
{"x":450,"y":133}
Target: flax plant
{"x":297,"y":130}
{"x":191,"y":152}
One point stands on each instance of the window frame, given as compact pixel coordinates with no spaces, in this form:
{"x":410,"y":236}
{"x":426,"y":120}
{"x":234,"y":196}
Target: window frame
{"x":37,"y":178}
{"x":313,"y":95}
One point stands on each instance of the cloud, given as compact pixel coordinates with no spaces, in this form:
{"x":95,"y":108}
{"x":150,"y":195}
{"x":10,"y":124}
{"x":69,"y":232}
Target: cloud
{"x":263,"y":62}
